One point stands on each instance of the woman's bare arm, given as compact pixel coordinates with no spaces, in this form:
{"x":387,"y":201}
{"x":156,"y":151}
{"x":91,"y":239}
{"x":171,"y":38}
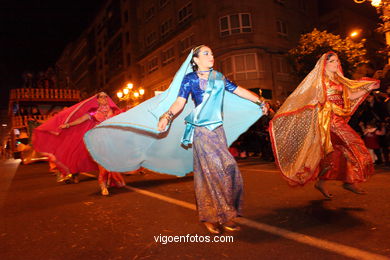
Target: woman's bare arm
{"x":175,"y":108}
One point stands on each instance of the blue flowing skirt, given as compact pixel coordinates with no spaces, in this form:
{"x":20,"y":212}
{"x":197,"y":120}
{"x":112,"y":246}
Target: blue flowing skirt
{"x":217,"y":179}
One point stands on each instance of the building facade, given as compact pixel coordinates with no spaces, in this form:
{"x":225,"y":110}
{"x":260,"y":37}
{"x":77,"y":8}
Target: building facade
{"x":145,"y":42}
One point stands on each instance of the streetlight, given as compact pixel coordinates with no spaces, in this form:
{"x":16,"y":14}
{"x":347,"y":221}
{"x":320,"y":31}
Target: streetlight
{"x":374,"y":3}
{"x":354,"y":33}
{"x":383,"y":8}
{"x":130,"y":93}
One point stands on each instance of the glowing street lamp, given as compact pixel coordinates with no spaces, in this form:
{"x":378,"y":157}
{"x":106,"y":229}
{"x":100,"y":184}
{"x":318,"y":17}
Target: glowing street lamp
{"x":374,"y":3}
{"x":130,"y":93}
{"x":354,"y":33}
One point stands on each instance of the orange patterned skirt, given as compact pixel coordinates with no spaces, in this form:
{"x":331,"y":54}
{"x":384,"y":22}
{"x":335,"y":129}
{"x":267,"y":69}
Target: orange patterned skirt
{"x":350,"y":161}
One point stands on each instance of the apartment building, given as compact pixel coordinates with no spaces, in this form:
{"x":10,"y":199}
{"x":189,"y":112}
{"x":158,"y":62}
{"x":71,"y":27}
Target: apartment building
{"x":145,"y":42}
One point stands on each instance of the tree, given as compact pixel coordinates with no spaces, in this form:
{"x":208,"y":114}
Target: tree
{"x":312,"y":45}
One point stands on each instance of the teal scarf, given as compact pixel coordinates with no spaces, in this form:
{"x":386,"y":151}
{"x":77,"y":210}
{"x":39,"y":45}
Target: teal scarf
{"x":131,"y":140}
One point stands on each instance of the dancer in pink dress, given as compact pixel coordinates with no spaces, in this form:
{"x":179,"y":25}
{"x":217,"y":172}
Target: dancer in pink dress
{"x":61,"y":138}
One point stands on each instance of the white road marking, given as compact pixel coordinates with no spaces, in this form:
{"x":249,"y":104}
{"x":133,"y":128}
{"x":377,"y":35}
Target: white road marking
{"x":300,"y":238}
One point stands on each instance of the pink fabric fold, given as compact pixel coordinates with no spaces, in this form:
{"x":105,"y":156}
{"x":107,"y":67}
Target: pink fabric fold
{"x":66,"y":146}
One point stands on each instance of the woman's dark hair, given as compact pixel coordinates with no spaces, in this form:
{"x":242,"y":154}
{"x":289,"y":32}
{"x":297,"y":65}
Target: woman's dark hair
{"x":196,"y":54}
{"x":329,"y":55}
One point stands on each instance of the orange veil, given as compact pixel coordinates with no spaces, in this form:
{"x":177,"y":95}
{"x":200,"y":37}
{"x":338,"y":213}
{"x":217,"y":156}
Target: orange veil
{"x":300,"y":130}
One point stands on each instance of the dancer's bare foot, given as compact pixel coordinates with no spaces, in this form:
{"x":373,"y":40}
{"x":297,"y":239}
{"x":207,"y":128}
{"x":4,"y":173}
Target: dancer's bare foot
{"x":104,"y":189}
{"x":105,"y":192}
{"x":320,"y":186}
{"x":213,"y":228}
{"x":352,"y":187}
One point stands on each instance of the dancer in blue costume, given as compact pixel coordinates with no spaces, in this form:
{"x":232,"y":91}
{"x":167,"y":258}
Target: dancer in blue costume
{"x":131,"y":140}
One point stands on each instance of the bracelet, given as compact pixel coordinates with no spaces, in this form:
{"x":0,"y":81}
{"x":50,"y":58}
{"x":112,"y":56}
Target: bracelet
{"x":259,"y":103}
{"x":168,"y":116}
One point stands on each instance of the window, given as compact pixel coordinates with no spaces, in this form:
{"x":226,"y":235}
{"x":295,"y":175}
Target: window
{"x":163,"y":3}
{"x":186,"y":44}
{"x":151,"y":38}
{"x":152,"y":65}
{"x":127,"y":37}
{"x":126,"y":16}
{"x":185,"y":13}
{"x":99,"y":46}
{"x":100,"y":63}
{"x":150,"y":13}
{"x":168,"y":56}
{"x":235,"y":23}
{"x":303,"y":5}
{"x":281,"y":28}
{"x":166,"y":27}
{"x":282,"y":66}
{"x":241,"y":67}
{"x":128,"y":59}
{"x":281,"y":2}
{"x":114,"y":57}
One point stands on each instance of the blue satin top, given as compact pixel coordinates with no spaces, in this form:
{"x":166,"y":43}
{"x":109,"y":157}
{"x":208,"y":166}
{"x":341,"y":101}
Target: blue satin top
{"x":191,"y":85}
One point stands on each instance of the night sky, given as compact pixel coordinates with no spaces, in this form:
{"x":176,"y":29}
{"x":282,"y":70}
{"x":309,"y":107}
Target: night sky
{"x":34,"y":33}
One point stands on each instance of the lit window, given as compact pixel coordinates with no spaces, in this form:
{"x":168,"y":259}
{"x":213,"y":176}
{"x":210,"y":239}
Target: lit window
{"x":242,"y":67}
{"x":234,"y":24}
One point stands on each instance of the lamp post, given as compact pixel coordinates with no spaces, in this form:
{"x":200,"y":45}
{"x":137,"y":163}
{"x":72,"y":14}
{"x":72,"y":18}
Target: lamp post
{"x":383,"y":8}
{"x":129,"y":93}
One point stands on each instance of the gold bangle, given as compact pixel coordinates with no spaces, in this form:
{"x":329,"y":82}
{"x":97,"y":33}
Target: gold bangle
{"x":168,"y":116}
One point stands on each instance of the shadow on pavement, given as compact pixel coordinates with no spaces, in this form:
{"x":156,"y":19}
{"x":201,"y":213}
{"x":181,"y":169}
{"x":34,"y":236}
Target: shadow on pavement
{"x":315,"y":217}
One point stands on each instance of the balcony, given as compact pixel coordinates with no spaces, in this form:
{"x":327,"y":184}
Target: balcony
{"x":21,"y":121}
{"x":44,"y":94}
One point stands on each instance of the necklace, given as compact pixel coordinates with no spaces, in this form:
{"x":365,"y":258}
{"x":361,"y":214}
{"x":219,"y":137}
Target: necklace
{"x":202,"y":72}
